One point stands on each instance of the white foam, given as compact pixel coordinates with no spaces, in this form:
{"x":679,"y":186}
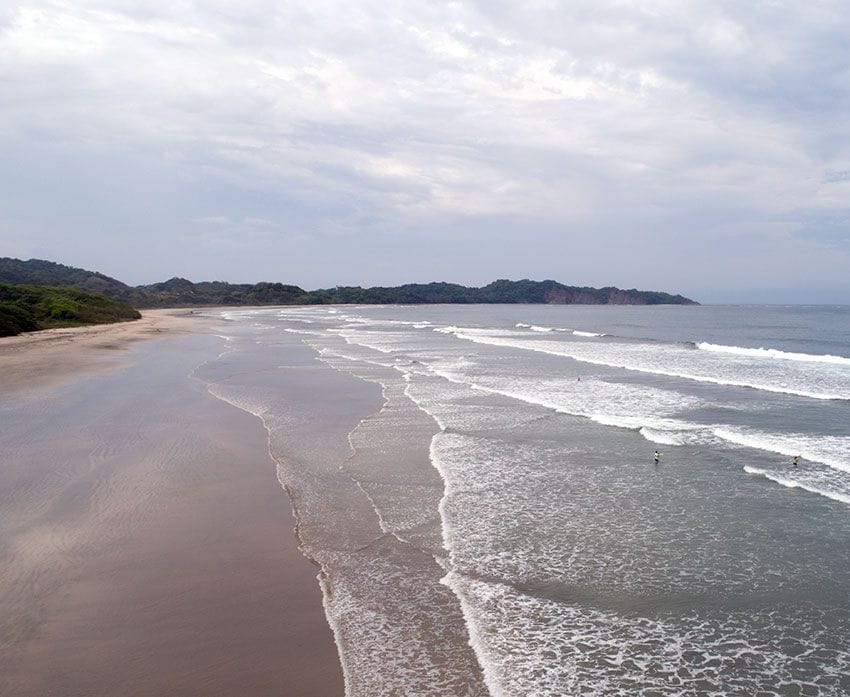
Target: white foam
{"x":607,"y":403}
{"x":476,"y":637}
{"x":239,"y":399}
{"x":773,"y":354}
{"x":539,"y":328}
{"x":832,"y":451}
{"x":795,"y":484}
{"x":304,"y":332}
{"x":673,"y":436}
{"x":577,"y":332}
{"x":238,"y":314}
{"x":382,"y":342}
{"x":672,"y":361}
{"x":536,"y":647}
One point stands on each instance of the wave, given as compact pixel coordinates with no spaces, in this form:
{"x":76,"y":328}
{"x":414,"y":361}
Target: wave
{"x":669,"y":436}
{"x":831,"y":451}
{"x":795,"y":484}
{"x":641,"y":363}
{"x":538,"y":327}
{"x":290,"y":330}
{"x":606,"y":404}
{"x":773,"y":354}
{"x":360,"y":338}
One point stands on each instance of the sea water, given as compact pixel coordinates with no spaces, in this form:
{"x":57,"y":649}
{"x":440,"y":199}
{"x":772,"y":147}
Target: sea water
{"x":496,"y":522}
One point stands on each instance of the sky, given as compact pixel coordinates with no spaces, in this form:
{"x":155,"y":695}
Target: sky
{"x":699,"y":147}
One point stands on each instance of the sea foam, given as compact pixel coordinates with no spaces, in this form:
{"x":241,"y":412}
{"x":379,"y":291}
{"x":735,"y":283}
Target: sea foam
{"x":674,"y":361}
{"x":770,"y":353}
{"x":791,"y":483}
{"x":832,"y":451}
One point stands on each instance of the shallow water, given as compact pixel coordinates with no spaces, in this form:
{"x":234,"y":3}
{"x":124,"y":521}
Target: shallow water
{"x":484,"y":477}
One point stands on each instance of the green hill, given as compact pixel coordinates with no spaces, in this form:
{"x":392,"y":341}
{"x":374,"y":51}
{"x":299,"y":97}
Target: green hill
{"x":25,"y":308}
{"x":48,"y":273}
{"x":179,"y":292}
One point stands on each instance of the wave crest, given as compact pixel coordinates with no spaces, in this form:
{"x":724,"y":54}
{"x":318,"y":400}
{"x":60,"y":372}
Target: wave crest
{"x":773,"y":354}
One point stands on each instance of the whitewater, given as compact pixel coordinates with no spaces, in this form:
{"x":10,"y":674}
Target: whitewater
{"x":497,"y":526}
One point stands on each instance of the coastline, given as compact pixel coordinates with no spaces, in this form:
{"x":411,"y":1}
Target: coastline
{"x":146,"y":546}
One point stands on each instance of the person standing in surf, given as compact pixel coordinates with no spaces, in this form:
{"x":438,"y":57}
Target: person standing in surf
{"x":657,"y":457}
{"x":795,"y":460}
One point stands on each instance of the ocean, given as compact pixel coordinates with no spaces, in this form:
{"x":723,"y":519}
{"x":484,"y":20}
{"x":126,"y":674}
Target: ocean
{"x":478,"y":486}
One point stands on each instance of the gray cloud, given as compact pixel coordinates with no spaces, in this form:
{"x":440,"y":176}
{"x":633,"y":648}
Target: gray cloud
{"x":331,"y":142}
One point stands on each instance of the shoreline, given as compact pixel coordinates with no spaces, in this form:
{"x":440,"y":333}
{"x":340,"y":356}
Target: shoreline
{"x":146,"y":545}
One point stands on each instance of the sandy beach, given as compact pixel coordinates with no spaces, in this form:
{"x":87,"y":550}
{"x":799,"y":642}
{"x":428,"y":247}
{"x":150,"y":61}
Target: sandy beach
{"x":146,"y":546}
{"x":56,"y":356}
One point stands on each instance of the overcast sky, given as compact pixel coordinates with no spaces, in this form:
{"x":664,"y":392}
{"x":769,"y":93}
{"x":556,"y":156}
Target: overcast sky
{"x":699,"y":147}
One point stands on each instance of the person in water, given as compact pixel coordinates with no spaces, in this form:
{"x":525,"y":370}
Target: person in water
{"x":795,"y":460}
{"x":657,"y":456}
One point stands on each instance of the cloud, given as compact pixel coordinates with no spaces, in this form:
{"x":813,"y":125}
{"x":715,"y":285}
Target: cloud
{"x":327,"y":119}
{"x":212,"y":220}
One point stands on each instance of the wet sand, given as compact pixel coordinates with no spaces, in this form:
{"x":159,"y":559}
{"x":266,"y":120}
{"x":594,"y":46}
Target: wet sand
{"x":146,"y":546}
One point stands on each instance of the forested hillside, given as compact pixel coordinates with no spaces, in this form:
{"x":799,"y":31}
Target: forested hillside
{"x":179,"y":292}
{"x":26,"y":308}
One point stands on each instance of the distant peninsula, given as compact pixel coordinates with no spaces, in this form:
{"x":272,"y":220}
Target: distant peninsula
{"x":178,"y":292}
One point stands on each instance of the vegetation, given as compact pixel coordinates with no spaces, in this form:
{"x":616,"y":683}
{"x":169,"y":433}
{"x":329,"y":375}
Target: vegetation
{"x":178,"y":292}
{"x":48,"y":273}
{"x":26,"y":308}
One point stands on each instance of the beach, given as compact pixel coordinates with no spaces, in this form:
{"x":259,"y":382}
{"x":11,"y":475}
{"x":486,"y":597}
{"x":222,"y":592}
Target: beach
{"x":431,"y":500}
{"x":55,"y":356}
{"x":146,"y":545}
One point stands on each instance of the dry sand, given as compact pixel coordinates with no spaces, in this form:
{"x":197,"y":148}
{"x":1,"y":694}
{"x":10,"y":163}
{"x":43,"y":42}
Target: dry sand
{"x":160,"y":562}
{"x":53,"y":356}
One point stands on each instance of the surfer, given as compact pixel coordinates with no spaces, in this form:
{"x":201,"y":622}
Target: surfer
{"x":795,"y":460}
{"x":657,"y":456}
